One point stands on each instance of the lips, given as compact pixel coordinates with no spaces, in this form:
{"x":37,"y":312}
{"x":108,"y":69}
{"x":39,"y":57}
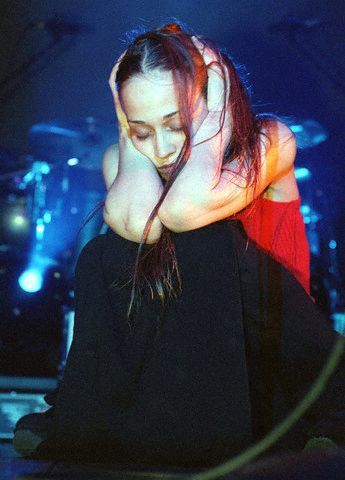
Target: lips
{"x":166,"y":168}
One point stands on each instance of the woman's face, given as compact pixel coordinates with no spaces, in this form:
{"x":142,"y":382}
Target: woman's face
{"x":151,"y":107}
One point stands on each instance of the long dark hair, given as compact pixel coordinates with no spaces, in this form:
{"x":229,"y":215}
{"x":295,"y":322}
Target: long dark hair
{"x":172,"y":49}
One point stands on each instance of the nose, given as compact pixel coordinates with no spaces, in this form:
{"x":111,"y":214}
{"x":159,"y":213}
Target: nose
{"x":164,"y":149}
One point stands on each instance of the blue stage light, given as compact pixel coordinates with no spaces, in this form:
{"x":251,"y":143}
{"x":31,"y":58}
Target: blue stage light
{"x":18,"y":223}
{"x":72,"y":161}
{"x":302,"y":173}
{"x":305,"y":209}
{"x":309,"y":133}
{"x":39,"y":229}
{"x":47,"y":217}
{"x":31,"y":280}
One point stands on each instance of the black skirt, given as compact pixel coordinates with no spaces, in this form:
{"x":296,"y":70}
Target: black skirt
{"x":230,"y":357}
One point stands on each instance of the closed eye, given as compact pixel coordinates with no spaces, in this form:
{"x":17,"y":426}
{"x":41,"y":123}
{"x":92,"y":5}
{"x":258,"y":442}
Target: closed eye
{"x":145,"y":137}
{"x":141,"y":137}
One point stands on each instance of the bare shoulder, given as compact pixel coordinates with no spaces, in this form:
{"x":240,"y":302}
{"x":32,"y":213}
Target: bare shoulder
{"x":279,"y":145}
{"x":110,"y":164}
{"x":279,"y":154}
{"x":276,"y":134}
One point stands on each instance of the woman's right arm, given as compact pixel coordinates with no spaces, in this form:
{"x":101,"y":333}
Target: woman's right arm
{"x":134,"y":188}
{"x":137,"y":186}
{"x":110,"y":164}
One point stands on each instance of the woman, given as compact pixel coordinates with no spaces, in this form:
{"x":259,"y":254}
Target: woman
{"x":210,"y":358}
{"x":248,"y":157}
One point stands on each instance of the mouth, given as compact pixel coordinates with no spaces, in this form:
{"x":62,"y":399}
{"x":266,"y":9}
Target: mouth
{"x":166,"y":171}
{"x":167,"y":168}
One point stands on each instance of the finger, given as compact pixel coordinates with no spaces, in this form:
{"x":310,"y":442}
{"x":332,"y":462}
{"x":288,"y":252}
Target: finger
{"x":112,"y":78}
{"x":218,"y":86}
{"x":215,"y":88}
{"x":121,"y":116}
{"x":206,"y":52}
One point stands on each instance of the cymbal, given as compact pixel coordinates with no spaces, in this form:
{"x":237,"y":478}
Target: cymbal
{"x":308,"y":133}
{"x":83,"y":140}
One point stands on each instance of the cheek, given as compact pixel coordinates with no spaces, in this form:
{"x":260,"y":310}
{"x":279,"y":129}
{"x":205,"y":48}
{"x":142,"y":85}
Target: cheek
{"x":180,"y":143}
{"x":145,"y":148}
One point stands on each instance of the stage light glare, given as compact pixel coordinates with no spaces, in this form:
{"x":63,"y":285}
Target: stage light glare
{"x":45,"y":168}
{"x":18,"y":221}
{"x":305,"y":209}
{"x":296,"y":128}
{"x":47,"y":217}
{"x":72,"y":161}
{"x":31,"y":280}
{"x":302,"y":173}
{"x":332,"y":244}
{"x":39,"y":229}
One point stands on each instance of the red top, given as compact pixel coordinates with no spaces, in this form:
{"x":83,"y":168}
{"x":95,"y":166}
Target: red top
{"x":278,"y":228}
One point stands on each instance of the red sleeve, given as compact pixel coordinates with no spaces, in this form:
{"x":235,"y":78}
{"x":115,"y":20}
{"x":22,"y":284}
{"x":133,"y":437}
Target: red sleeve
{"x":278,"y":229}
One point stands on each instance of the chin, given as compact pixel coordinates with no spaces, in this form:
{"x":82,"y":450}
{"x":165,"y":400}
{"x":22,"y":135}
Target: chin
{"x":164,"y":176}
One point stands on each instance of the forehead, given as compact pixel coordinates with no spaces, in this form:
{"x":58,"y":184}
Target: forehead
{"x":148,"y":97}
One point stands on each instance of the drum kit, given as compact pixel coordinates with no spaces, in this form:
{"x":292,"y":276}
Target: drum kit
{"x":45,"y":202}
{"x":46,"y":196}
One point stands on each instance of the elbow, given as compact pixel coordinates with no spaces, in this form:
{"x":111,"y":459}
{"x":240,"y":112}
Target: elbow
{"x":132,"y":228}
{"x":178,"y":217}
{"x":137,"y":228}
{"x":170,"y":214}
{"x":174,"y":224}
{"x":115,"y":221}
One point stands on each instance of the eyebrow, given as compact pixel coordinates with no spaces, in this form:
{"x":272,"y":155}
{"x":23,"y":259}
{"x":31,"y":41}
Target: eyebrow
{"x":169,"y":115}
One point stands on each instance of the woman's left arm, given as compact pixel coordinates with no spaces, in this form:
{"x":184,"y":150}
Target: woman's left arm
{"x":195,"y":201}
{"x":205,"y":191}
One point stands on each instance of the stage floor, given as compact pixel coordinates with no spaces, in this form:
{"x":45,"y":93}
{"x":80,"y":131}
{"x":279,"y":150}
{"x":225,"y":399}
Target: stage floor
{"x":326,"y":464}
{"x":13,"y":467}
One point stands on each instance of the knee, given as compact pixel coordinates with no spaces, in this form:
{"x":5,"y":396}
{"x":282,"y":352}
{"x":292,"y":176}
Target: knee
{"x":29,"y":432}
{"x":25,"y":442}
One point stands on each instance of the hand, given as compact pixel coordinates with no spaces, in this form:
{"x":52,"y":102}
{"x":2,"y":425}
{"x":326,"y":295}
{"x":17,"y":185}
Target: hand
{"x":121,"y":117}
{"x":211,"y":138}
{"x":133,"y":159}
{"x":137,"y":187}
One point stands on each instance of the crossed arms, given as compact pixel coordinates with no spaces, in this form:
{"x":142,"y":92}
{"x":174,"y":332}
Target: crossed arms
{"x":193,"y":201}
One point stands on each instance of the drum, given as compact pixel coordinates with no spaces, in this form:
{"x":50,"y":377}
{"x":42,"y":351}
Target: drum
{"x":70,"y":195}
{"x":73,"y":148}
